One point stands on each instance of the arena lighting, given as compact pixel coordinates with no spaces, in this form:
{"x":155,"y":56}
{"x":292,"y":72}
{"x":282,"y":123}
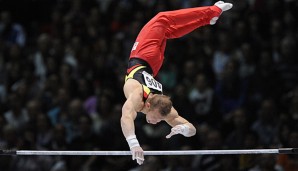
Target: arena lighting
{"x":148,"y":153}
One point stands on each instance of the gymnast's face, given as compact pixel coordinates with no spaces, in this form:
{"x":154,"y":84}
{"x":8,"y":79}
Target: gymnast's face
{"x":153,"y":116}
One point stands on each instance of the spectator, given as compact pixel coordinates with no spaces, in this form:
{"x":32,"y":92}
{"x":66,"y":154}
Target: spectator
{"x":264,"y":82}
{"x":222,"y":55}
{"x":267,"y":123}
{"x":40,"y":56}
{"x":235,"y":139}
{"x":267,"y":162}
{"x":287,"y":66}
{"x":210,"y":162}
{"x":251,"y":141}
{"x":11,"y":32}
{"x":202,"y":98}
{"x":44,"y":132}
{"x":17,"y":116}
{"x":231,"y":90}
{"x":86,"y":140}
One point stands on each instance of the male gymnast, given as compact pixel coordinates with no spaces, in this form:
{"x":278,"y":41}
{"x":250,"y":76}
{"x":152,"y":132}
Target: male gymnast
{"x":143,"y":93}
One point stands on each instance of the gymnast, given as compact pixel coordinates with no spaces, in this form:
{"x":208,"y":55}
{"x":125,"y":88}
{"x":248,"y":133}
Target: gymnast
{"x":142,"y":91}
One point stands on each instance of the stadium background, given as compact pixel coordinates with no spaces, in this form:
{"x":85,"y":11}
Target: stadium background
{"x":62,"y":65}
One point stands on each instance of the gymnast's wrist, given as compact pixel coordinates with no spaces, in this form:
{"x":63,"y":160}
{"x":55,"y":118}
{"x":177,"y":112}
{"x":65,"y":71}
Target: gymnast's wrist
{"x":132,"y":141}
{"x":185,"y":130}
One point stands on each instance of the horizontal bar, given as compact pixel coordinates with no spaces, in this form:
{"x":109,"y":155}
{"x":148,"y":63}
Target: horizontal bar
{"x":125,"y":153}
{"x":110,"y":153}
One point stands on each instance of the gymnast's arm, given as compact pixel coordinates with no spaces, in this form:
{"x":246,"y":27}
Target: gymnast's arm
{"x":129,"y":113}
{"x":133,"y":93}
{"x":128,"y":117}
{"x":179,"y":125}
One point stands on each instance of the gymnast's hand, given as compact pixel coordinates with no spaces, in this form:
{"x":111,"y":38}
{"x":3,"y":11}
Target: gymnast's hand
{"x":137,"y":154}
{"x":223,"y":6}
{"x":179,"y":129}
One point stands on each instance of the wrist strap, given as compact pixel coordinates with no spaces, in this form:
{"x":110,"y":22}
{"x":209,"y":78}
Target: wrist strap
{"x":185,"y":129}
{"x":132,"y":141}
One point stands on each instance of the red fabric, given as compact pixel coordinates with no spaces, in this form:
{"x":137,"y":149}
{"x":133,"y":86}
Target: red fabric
{"x":151,"y":41}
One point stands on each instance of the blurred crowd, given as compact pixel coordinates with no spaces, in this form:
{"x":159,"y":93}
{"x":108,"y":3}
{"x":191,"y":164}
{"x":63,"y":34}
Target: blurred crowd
{"x":62,"y":67}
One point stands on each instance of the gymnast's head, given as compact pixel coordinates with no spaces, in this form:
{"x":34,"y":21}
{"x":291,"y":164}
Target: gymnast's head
{"x":158,"y":107}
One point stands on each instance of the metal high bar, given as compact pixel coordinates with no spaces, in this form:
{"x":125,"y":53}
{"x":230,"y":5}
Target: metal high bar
{"x":147,"y":153}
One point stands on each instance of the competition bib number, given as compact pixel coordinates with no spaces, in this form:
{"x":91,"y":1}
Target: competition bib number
{"x":151,"y":82}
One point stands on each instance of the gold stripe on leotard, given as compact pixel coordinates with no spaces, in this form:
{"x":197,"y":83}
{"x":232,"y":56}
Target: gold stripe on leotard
{"x":130,"y":75}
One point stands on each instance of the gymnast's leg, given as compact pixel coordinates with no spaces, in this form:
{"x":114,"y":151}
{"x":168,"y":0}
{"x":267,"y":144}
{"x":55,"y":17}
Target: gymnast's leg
{"x":178,"y":23}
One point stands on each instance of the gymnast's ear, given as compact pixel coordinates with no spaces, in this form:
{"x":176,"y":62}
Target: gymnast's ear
{"x":147,"y":105}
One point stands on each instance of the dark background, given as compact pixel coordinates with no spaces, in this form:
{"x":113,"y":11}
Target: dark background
{"x":62,"y":67}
